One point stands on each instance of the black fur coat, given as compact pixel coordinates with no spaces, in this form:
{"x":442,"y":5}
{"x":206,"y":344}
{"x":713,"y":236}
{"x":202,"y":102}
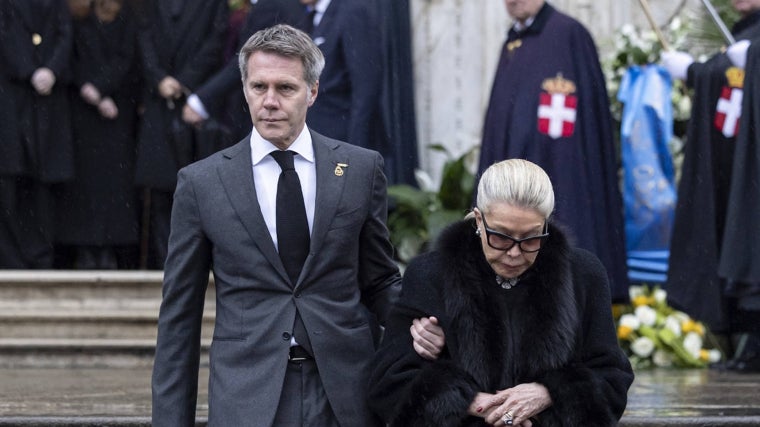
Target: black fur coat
{"x":555,"y":328}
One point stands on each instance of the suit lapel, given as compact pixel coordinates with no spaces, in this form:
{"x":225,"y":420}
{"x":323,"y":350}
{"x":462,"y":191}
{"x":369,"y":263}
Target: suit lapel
{"x":329,"y":191}
{"x":237,"y":179}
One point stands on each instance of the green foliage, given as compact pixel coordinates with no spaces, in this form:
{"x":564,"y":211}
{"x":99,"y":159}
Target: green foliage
{"x":419,"y":214}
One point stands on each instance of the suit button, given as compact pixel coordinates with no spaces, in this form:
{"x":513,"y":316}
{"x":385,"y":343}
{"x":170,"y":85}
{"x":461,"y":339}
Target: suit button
{"x":286,"y":336}
{"x":298,"y":294}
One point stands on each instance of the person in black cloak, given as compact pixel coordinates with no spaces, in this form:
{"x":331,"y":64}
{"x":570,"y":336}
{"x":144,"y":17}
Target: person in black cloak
{"x":180,"y":44}
{"x":399,"y":138}
{"x":36,"y":143}
{"x":219,"y":97}
{"x":349,"y":34}
{"x":549,"y":105}
{"x":711,"y":268}
{"x":98,"y":214}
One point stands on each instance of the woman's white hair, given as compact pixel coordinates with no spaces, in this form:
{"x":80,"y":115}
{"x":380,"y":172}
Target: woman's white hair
{"x":516,"y":182}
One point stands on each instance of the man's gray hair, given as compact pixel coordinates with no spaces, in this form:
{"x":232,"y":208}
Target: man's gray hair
{"x":286,"y":41}
{"x":519,"y":183}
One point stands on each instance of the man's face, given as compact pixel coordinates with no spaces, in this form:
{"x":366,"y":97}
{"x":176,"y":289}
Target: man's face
{"x":278,"y":96}
{"x":521,"y":10}
{"x":745,"y":7}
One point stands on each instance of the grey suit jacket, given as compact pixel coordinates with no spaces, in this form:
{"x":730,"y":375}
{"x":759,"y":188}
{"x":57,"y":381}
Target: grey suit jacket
{"x":349,"y":273}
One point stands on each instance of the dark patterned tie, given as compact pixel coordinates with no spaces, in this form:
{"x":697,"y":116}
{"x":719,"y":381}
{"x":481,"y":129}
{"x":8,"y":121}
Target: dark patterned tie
{"x":292,"y":229}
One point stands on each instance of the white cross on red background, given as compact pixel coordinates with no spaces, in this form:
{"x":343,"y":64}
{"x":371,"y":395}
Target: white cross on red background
{"x":556,"y":114}
{"x":729,"y":111}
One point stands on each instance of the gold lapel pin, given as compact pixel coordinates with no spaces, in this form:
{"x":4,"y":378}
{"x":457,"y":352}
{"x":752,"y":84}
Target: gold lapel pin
{"x":339,"y":168}
{"x":514,"y":45}
{"x":36,"y":39}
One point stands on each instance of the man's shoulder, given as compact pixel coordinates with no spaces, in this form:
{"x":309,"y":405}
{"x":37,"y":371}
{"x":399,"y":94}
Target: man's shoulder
{"x":561,"y":20}
{"x":342,"y":146}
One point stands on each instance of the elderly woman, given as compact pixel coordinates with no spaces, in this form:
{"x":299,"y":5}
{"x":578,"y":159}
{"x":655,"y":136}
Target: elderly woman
{"x":529,"y":335}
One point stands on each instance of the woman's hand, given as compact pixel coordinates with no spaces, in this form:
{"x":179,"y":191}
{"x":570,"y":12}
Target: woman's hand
{"x":43,"y":80}
{"x":428,"y":337}
{"x":170,"y":88}
{"x":107,"y":108}
{"x":521,"y":402}
{"x":90,"y":94}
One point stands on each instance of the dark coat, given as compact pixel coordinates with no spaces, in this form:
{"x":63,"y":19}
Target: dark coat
{"x":186,"y":43}
{"x":582,"y":163}
{"x":555,"y":328}
{"x":99,"y":206}
{"x":693,"y":283}
{"x":348,"y":104}
{"x":36,"y":129}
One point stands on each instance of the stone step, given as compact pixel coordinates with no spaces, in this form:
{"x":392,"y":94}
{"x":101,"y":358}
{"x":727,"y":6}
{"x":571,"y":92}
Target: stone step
{"x":83,"y":318}
{"x":81,"y":352}
{"x":104,"y":324}
{"x":83,"y":289}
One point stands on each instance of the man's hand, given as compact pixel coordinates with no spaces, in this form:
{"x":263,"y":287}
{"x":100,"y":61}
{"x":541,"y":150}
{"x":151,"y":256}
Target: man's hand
{"x":190,"y":116}
{"x":43,"y":80}
{"x":428,"y":337}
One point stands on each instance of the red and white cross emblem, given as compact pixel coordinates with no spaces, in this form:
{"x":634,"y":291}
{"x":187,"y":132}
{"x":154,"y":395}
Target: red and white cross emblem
{"x":556,"y":114}
{"x":729,"y":111}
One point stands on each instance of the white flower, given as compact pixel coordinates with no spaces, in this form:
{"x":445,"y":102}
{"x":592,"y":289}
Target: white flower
{"x":646,"y":314}
{"x":674,"y":324}
{"x":714,"y":355}
{"x":636,"y":291}
{"x":660,"y":295}
{"x":662,"y":358}
{"x":631,"y":321}
{"x":692,"y":342}
{"x":642,"y":347}
{"x":627,"y":30}
{"x":424,"y":181}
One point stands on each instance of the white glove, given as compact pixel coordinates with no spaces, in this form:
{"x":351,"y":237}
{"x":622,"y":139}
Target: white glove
{"x":737,"y":53}
{"x":677,"y":63}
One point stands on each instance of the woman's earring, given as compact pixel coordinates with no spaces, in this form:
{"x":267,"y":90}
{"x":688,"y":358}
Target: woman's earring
{"x":477,"y":232}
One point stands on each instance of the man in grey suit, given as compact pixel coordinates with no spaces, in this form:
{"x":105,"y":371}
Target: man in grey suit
{"x":224,"y":219}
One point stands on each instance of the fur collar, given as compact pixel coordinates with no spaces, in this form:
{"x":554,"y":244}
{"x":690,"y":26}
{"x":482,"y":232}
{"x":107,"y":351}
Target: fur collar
{"x":523,"y":331}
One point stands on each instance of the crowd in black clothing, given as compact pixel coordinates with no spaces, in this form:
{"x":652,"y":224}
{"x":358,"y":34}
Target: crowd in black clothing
{"x":92,"y":94}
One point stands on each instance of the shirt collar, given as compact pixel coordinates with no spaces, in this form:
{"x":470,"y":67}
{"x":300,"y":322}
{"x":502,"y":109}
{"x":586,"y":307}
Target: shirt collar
{"x":320,"y":6}
{"x":519,"y":26}
{"x":260,"y":147}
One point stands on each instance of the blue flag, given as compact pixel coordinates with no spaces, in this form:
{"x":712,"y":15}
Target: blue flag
{"x":649,"y":194}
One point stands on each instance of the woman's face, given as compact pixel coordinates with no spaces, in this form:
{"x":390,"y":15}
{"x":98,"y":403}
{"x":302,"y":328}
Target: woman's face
{"x":515,"y":222}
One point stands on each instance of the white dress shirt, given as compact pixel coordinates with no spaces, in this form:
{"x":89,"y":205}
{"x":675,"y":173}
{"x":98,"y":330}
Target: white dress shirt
{"x":266,"y":173}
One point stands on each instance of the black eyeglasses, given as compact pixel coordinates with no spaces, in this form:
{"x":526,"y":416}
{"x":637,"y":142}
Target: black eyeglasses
{"x":503,"y":242}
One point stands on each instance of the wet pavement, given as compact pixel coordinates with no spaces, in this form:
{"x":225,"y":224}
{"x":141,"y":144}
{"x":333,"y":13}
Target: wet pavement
{"x":121,"y":397}
{"x":702,"y":397}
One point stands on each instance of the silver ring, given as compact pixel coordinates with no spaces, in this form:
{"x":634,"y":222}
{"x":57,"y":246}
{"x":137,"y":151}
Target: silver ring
{"x":507,"y":418}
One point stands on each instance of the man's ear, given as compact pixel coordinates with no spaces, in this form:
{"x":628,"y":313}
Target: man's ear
{"x":312,"y":95}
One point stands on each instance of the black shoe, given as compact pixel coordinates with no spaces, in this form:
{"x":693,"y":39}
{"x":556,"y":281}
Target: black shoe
{"x":746,"y":365}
